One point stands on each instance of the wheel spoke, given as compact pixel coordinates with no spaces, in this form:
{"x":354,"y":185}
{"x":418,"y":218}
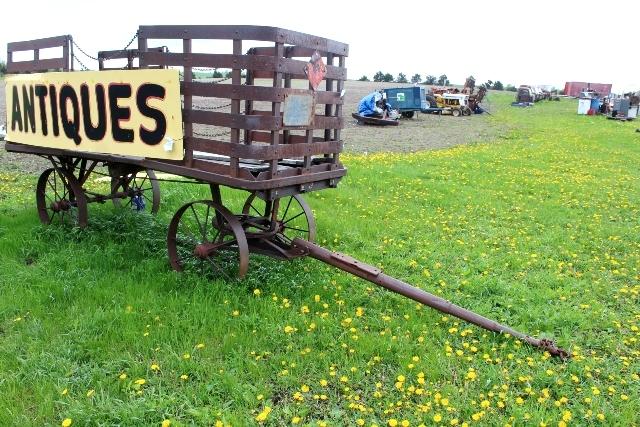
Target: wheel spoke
{"x":257,"y":211}
{"x":284,"y":216}
{"x":198,"y":220}
{"x":294,"y":217}
{"x":297,"y":229}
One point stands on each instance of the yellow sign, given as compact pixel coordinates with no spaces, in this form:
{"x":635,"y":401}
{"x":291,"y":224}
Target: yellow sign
{"x":129,"y":112}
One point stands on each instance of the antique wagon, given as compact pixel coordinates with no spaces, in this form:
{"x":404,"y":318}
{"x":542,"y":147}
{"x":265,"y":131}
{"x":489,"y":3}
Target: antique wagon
{"x":272,"y":129}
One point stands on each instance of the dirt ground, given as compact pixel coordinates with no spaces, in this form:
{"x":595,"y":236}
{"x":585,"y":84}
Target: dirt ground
{"x":423,"y":132}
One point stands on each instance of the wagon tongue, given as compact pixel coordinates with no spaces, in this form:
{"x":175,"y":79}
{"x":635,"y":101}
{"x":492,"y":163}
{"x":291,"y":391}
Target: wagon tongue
{"x":376,"y":276}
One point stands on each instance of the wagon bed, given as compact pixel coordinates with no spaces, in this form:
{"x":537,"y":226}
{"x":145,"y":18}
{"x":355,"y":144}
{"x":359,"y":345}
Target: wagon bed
{"x":256,"y":150}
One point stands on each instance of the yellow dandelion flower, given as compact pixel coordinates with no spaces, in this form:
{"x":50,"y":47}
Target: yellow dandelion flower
{"x":360,"y":422}
{"x":186,"y":356}
{"x":123,"y":376}
{"x":140,"y":381}
{"x":296,"y":420}
{"x":155,"y":367}
{"x":184,"y":377}
{"x":392,"y":422}
{"x":304,"y":388}
{"x":437,"y":418}
{"x":288,"y":329}
{"x":262,"y":416}
{"x":200,"y":346}
{"x":600,"y":417}
{"x":64,"y":392}
{"x":257,"y":292}
{"x":323,"y":383}
{"x":91,"y":393}
{"x":166,"y":423}
{"x":66,"y":422}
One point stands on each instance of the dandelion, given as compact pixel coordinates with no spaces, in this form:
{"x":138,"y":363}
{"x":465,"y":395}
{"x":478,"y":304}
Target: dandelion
{"x":64,"y":392}
{"x":200,"y":346}
{"x":392,"y":422}
{"x":155,"y":367}
{"x":257,"y":292}
{"x":67,"y":422}
{"x":91,"y":392}
{"x":123,"y":376}
{"x":140,"y":381}
{"x":186,"y":356}
{"x":166,"y":423}
{"x":296,"y":420}
{"x":288,"y":329}
{"x":262,"y":416}
{"x":184,"y":377}
{"x":437,"y":418}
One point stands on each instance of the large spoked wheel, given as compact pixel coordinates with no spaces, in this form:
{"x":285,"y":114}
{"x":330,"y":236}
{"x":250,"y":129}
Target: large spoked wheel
{"x":205,"y":237}
{"x":60,"y":198}
{"x":141,"y":188}
{"x":294,"y":217}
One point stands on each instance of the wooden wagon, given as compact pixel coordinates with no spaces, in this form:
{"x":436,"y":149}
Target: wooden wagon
{"x":267,"y":137}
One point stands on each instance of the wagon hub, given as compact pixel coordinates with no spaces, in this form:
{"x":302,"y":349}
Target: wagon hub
{"x":60,"y":205}
{"x":204,"y":250}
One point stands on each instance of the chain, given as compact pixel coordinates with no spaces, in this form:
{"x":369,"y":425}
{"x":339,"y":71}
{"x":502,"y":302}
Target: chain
{"x":84,"y":67}
{"x":206,"y":107}
{"x":135,"y":36}
{"x":212,"y":135}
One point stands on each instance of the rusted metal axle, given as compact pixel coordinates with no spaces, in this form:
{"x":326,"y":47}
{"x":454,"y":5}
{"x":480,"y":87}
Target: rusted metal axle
{"x":376,"y":276}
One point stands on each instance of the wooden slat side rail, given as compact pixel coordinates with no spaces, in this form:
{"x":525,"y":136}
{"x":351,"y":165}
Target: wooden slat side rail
{"x":36,"y":65}
{"x":244,"y":32}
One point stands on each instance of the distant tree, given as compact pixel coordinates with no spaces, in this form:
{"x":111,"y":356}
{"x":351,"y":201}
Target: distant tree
{"x":402,"y":78}
{"x":431,"y":80}
{"x":498,"y":85}
{"x":416,"y":78}
{"x":378,"y":77}
{"x":227,"y":75}
{"x":217,"y":74}
{"x":3,"y":68}
{"x":387,"y":78}
{"x":363,"y":79}
{"x":488,"y":84}
{"x":443,"y":80}
{"x":510,"y":88}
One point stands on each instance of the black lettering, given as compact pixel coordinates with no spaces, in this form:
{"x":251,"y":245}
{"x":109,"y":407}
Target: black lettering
{"x":146,"y":91}
{"x":29,"y":109}
{"x":53,"y":98}
{"x":118,"y":113}
{"x":16,"y":112}
{"x":71,"y":127}
{"x":41,"y":93}
{"x":94,"y":133}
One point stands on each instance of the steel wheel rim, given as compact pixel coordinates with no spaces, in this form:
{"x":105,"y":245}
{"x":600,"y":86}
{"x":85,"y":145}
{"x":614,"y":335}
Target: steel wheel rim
{"x":206,"y":222}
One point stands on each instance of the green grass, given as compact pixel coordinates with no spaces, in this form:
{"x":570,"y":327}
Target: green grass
{"x":538,"y":230}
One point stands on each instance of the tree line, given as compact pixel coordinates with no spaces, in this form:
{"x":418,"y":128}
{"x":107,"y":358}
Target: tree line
{"x":430,"y":79}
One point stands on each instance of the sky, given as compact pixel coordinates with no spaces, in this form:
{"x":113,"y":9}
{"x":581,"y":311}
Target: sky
{"x":517,"y":42}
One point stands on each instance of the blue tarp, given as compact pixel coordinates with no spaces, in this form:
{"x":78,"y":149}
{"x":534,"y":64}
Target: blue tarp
{"x":367,"y":106}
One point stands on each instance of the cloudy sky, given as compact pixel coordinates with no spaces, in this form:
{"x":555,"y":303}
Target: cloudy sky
{"x":516,"y":42}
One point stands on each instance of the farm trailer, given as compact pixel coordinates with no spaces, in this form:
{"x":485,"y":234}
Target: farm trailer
{"x":276,"y":143}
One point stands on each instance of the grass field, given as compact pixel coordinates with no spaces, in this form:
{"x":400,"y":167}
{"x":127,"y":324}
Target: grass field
{"x":537,"y":229}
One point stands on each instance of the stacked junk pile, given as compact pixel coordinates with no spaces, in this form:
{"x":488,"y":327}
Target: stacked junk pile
{"x":528,"y":95}
{"x":385,"y":107}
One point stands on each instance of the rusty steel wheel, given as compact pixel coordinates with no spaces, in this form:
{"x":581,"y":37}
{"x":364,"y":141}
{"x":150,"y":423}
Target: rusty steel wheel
{"x":294,"y":218}
{"x":59,"y":198}
{"x":205,"y":237}
{"x":142,"y":188}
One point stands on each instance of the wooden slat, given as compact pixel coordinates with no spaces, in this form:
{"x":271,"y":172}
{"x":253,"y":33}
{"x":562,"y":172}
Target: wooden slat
{"x":36,"y":66}
{"x":262,"y":63}
{"x":262,"y":151}
{"x":254,"y":93}
{"x":45,"y":43}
